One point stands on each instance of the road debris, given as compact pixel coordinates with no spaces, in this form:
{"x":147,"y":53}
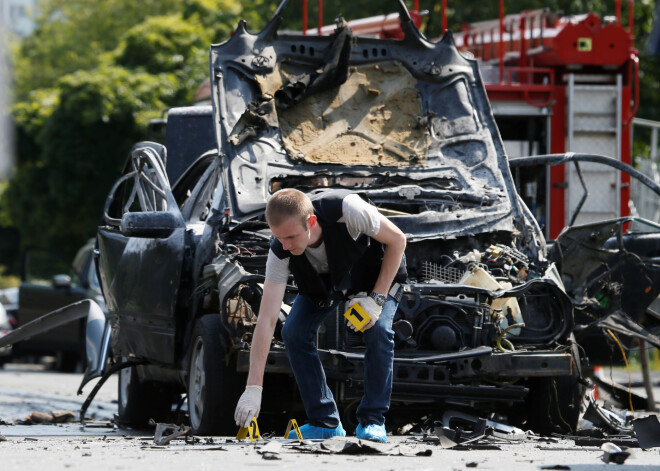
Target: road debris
{"x":40,"y":417}
{"x":461,"y":431}
{"x":609,"y":420}
{"x":62,"y":416}
{"x":53,"y":417}
{"x":271,"y":450}
{"x":613,"y":454}
{"x":355,"y":446}
{"x":647,"y":431}
{"x":165,"y":433}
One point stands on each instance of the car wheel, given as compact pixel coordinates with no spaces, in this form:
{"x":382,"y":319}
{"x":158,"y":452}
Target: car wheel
{"x":553,"y":404}
{"x":213,"y":387}
{"x":140,"y":401}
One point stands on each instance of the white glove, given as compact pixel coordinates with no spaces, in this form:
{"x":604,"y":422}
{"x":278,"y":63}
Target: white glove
{"x":369,"y":305}
{"x":248,"y":405}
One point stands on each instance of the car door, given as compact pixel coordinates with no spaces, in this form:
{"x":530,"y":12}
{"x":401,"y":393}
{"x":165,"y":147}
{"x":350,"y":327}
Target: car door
{"x":141,"y":247}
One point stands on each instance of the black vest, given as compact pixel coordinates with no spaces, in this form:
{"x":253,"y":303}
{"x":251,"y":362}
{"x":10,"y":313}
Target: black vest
{"x":353,"y":265}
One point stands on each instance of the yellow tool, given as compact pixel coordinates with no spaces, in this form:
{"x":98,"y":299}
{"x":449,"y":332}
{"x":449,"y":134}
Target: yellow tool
{"x":252,"y":429}
{"x":357,"y":316}
{"x":293,"y":424}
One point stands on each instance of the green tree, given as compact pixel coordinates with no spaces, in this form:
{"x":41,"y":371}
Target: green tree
{"x":85,"y":95}
{"x":56,"y":199}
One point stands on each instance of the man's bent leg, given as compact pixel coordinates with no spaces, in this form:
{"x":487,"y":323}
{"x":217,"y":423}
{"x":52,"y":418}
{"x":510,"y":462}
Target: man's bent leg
{"x":299,"y":334}
{"x":378,"y":366}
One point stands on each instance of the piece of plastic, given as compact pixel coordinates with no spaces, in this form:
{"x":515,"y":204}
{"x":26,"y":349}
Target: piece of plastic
{"x":357,"y":316}
{"x":252,"y":430}
{"x":482,"y":279}
{"x":293,"y":425}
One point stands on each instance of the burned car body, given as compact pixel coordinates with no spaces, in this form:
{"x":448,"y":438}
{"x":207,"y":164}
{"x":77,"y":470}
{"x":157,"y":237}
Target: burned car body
{"x":610,"y":268}
{"x":485,"y":322}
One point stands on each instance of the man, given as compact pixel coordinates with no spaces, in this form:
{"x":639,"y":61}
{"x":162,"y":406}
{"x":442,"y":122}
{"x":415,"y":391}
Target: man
{"x":336,"y":245}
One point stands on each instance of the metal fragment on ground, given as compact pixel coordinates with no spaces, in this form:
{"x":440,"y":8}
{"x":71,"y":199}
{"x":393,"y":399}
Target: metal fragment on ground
{"x":165,"y":433}
{"x":647,"y":430}
{"x":481,"y":426}
{"x":270,"y":447}
{"x":445,"y":442}
{"x":613,"y":454}
{"x":453,"y":436}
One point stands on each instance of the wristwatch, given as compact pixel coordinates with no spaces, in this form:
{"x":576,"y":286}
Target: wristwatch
{"x":380,"y":299}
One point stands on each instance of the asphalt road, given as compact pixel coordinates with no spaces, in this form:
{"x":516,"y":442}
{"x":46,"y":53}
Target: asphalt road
{"x":28,"y":388}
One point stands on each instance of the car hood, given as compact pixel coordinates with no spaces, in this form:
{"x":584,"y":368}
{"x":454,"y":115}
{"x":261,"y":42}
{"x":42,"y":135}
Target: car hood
{"x":408,"y":116}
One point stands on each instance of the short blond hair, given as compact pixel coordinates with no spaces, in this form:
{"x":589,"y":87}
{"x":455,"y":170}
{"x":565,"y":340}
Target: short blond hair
{"x":286,"y":204}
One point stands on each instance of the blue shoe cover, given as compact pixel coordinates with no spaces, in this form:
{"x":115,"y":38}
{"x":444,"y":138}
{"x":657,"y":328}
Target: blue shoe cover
{"x":310,"y":431}
{"x":374,"y":432}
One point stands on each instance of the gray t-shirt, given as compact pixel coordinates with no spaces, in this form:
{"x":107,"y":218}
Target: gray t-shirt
{"x":359,"y":216}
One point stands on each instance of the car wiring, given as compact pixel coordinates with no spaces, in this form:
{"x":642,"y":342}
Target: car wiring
{"x":625,"y":360}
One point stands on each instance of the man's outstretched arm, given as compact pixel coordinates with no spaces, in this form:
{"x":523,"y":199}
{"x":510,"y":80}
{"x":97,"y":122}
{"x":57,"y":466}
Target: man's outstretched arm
{"x":250,"y":402}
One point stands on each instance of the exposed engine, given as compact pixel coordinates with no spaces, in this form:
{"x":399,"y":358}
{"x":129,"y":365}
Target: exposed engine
{"x":466,"y":299}
{"x":464,"y":295}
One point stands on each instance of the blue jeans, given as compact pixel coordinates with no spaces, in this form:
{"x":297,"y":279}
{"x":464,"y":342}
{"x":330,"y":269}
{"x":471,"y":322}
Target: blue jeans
{"x":299,"y":334}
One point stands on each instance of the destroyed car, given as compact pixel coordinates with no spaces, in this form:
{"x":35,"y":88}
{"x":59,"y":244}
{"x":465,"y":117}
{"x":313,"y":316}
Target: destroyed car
{"x":485,"y":324}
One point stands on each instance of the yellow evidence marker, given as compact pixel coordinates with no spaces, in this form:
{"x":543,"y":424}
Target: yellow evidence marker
{"x":252,"y":429}
{"x":357,"y":316}
{"x":293,"y":425}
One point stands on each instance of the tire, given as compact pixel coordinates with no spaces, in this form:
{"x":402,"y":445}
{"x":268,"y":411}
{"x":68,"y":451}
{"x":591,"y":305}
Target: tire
{"x":213,"y":387}
{"x":553,"y":404}
{"x":140,"y":401}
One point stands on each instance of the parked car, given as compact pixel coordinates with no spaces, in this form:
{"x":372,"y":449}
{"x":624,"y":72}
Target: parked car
{"x":485,"y":324}
{"x":48,"y":283}
{"x":7,"y":323}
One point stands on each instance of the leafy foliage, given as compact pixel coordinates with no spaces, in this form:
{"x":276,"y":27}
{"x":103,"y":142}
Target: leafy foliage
{"x":87,"y":82}
{"x":161,"y":44}
{"x":82,"y":144}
